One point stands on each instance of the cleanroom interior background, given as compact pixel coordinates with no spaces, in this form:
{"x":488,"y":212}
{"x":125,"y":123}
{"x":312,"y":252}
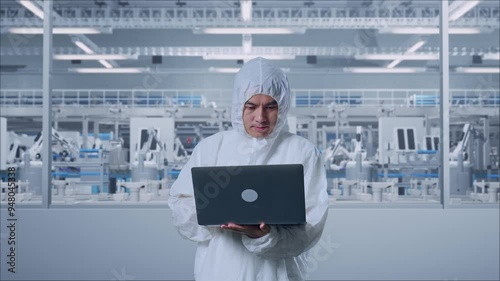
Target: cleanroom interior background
{"x":360,"y":242}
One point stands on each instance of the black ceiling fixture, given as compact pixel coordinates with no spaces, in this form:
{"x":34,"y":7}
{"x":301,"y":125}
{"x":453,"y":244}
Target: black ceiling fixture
{"x":157,"y":59}
{"x":100,"y":3}
{"x":311,"y":59}
{"x":180,"y":3}
{"x":477,"y":59}
{"x":123,"y":3}
{"x":367,"y":3}
{"x":237,"y":4}
{"x":309,"y":3}
{"x":11,"y":68}
{"x":406,"y":3}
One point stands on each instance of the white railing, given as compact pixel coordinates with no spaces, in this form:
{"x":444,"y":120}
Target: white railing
{"x":393,"y":97}
{"x":105,"y":98}
{"x":337,"y":17}
{"x":201,"y":98}
{"x":199,"y":51}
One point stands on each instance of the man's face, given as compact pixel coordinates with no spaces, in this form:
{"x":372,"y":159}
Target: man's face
{"x":260,"y":114}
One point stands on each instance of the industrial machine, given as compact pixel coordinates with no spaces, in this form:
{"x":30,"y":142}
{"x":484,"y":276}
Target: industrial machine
{"x":62,"y":149}
{"x":460,"y":164}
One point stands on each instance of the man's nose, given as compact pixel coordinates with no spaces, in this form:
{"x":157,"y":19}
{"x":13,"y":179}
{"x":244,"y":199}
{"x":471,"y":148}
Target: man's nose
{"x":260,"y":115}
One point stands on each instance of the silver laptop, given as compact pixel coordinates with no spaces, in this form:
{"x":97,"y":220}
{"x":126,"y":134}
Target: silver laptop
{"x":273,"y":194}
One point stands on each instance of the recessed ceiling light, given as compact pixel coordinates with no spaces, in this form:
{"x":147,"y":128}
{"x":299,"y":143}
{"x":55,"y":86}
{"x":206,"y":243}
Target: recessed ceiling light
{"x":59,"y":30}
{"x":477,"y":70}
{"x":109,"y":70}
{"x":384,"y":70}
{"x":247,"y":57}
{"x":434,"y":30}
{"x":249,"y":30}
{"x":95,"y":57}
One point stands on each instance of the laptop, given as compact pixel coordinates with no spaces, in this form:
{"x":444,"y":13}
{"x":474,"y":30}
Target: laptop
{"x":245,"y":195}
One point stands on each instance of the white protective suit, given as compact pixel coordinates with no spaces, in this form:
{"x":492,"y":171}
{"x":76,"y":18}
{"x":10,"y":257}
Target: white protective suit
{"x":281,"y":254}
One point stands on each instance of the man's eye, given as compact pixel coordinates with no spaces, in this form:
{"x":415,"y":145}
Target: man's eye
{"x":272,"y":107}
{"x":250,"y":107}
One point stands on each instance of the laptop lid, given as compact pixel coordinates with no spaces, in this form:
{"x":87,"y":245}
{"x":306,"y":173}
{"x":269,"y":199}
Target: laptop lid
{"x":273,"y":194}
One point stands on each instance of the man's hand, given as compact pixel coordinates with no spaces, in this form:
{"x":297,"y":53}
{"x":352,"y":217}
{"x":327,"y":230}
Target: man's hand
{"x":252,"y":231}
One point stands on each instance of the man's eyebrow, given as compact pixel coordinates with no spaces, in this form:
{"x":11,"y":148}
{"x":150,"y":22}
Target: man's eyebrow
{"x":267,"y":104}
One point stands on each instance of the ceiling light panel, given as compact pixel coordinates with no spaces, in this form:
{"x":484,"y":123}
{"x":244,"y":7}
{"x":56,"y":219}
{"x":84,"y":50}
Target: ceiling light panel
{"x":95,"y":57}
{"x":383,"y":70}
{"x":59,"y":30}
{"x":248,"y":30}
{"x":109,"y":70}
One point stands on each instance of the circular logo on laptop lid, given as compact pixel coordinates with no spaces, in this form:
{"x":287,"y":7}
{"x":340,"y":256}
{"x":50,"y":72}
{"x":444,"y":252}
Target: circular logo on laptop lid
{"x":249,"y":195}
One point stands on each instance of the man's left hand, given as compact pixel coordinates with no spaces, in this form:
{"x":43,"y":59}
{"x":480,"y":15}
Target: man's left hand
{"x":252,"y":231}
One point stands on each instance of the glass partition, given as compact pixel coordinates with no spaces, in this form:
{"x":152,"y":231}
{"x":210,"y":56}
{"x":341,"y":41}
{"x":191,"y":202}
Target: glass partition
{"x":366,"y":92}
{"x":474,"y":111}
{"x":20,"y":114}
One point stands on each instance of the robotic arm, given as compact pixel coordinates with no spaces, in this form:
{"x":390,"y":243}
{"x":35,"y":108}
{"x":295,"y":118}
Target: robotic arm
{"x":332,"y":150}
{"x":179,"y":150}
{"x":330,"y":153}
{"x":13,"y":152}
{"x":461,"y":147}
{"x":35,"y":149}
{"x":146,"y":147}
{"x":358,"y":145}
{"x":358,"y":141}
{"x":69,"y":151}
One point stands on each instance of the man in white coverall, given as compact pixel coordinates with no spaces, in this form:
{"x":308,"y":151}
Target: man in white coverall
{"x":231,"y":252}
